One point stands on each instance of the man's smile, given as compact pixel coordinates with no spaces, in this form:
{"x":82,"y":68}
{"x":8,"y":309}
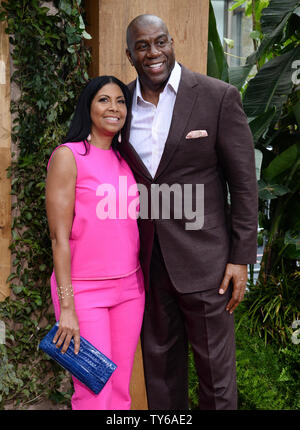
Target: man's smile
{"x":155,"y":67}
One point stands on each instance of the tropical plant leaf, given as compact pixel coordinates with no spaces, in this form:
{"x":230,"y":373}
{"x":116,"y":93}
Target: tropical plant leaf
{"x":276,"y":12}
{"x":292,"y":240}
{"x":237,"y":4}
{"x":238,"y":75}
{"x":216,"y":63}
{"x":261,"y":123}
{"x":284,"y":161}
{"x":274,"y":18}
{"x":259,"y":97}
{"x":212,"y":65}
{"x":296,"y":110}
{"x":229,"y":42}
{"x":269,"y":191}
{"x":258,"y":162}
{"x":293,"y":215}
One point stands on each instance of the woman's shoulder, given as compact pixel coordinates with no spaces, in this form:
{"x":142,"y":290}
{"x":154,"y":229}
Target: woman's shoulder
{"x":63,"y":153}
{"x":77,"y":147}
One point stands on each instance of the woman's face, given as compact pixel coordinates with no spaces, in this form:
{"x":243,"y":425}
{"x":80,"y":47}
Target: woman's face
{"x":108,"y":110}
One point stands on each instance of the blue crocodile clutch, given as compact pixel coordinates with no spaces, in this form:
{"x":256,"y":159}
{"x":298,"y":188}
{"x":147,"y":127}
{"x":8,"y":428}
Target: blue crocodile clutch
{"x":89,"y":366}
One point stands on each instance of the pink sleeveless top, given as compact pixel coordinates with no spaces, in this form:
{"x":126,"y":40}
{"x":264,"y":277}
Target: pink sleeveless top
{"x":104,"y":239}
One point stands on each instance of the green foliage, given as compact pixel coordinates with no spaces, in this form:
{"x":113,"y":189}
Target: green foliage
{"x":268,"y":363}
{"x":8,"y":377}
{"x":50,"y":68}
{"x":278,"y":141}
{"x":268,"y":360}
{"x":271,"y":100}
{"x":267,"y":374}
{"x":193,"y":381}
{"x":272,"y":308}
{"x":216,"y":61}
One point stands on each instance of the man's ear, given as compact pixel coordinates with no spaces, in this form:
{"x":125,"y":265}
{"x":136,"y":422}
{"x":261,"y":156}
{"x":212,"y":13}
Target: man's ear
{"x":129,"y":56}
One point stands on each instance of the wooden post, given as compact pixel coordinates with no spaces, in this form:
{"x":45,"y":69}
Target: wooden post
{"x":107,"y":21}
{"x":5,"y":160}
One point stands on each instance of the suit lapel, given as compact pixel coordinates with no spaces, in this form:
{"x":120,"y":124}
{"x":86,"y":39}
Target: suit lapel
{"x":185,"y":99}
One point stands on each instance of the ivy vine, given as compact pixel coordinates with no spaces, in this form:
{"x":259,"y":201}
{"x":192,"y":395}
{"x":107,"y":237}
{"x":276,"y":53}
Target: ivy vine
{"x":50,"y":61}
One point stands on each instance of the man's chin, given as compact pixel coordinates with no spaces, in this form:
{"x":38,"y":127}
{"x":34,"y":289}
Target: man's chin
{"x":158,"y":79}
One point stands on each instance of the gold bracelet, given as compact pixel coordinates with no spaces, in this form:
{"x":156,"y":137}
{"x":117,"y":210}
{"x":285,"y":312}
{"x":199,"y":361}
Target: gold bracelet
{"x":64,"y":291}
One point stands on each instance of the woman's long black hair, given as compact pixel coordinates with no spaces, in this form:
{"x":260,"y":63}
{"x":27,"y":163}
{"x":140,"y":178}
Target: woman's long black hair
{"x":81,"y":122}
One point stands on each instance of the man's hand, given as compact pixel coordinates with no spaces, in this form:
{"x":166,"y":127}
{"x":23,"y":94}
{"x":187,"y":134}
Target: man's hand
{"x":238,"y":274}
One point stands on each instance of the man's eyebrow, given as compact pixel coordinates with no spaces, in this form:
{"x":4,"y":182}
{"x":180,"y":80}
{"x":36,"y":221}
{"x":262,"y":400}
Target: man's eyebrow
{"x":146,"y":40}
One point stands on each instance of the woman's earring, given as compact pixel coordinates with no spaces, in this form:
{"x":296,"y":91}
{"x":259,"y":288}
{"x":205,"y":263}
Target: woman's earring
{"x":89,"y":138}
{"x":120,"y":138}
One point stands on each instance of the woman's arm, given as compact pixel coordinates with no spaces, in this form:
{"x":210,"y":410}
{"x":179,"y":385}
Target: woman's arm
{"x":60,"y":200}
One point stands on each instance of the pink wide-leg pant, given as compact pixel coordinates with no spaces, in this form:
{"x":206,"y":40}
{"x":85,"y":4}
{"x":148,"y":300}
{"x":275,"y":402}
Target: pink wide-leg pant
{"x":110,"y":314}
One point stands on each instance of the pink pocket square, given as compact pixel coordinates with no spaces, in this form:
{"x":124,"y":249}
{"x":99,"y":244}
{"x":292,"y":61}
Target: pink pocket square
{"x":194,"y":134}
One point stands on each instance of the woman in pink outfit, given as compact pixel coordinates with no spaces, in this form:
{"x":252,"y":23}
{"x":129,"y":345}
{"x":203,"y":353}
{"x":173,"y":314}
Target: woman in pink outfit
{"x":92,"y":203}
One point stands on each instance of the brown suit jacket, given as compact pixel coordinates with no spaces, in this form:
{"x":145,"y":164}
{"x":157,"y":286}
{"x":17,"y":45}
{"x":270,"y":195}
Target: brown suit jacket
{"x":196,"y":259}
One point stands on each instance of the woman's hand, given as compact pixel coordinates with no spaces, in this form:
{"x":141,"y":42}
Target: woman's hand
{"x":68,"y":328}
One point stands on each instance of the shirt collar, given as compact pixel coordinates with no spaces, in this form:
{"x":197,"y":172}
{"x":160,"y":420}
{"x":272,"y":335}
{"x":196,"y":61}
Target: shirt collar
{"x":173,"y":82}
{"x":175,"y":76}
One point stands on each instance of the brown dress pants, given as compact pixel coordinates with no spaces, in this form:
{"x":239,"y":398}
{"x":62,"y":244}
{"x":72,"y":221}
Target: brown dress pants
{"x":171,"y":321}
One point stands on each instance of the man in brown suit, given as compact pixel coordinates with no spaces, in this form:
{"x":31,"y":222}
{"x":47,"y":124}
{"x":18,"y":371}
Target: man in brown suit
{"x":195,"y":274}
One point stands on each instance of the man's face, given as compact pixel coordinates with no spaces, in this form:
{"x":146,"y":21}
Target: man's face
{"x":151,"y":52}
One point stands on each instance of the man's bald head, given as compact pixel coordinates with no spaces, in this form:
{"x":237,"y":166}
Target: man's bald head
{"x":150,"y":51}
{"x":141,"y":21}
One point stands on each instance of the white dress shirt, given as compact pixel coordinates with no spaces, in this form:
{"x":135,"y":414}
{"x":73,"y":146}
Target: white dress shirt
{"x":150,"y":124}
